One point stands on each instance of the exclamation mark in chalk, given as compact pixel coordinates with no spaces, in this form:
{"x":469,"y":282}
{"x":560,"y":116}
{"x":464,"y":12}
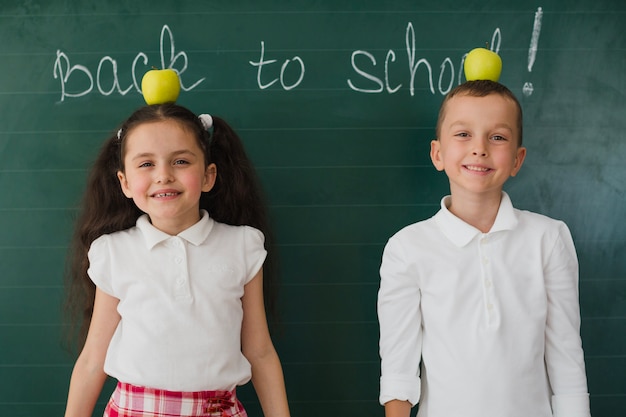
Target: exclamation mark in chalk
{"x":532,"y":50}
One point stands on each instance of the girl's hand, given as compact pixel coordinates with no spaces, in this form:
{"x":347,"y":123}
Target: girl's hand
{"x":257,"y":347}
{"x":88,"y":376}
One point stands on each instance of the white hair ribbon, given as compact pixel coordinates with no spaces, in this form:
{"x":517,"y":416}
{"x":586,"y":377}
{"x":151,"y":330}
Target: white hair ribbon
{"x":206,"y":120}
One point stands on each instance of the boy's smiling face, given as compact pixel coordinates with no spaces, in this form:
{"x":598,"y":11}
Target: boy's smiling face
{"x":478,"y":147}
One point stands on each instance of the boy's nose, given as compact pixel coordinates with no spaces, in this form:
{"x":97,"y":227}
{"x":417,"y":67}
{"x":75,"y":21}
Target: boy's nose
{"x":480,"y":147}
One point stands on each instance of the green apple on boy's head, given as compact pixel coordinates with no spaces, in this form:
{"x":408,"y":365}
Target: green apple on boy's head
{"x":482,"y":64}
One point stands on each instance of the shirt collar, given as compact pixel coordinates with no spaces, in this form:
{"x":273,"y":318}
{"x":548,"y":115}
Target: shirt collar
{"x":461,"y":233}
{"x":195,"y":234}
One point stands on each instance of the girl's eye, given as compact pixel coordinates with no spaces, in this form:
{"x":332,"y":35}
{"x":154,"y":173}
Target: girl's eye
{"x":180,"y":162}
{"x":145,"y":164}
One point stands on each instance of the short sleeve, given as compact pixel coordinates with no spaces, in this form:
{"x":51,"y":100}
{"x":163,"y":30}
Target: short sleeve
{"x":255,"y":252}
{"x":99,"y":270}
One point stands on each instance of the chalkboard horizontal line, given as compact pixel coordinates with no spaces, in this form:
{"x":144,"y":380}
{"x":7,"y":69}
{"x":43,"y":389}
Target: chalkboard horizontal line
{"x":33,"y":325}
{"x":351,"y":205}
{"x":221,"y":51}
{"x":317,"y":402}
{"x":330,"y":244}
{"x":271,"y":206}
{"x":327,"y":322}
{"x":258,"y":168}
{"x":605,"y":356}
{"x":592,"y":280}
{"x":239,"y":129}
{"x":18,"y":209}
{"x":34,"y":365}
{"x":21,"y":171}
{"x":31,"y":247}
{"x":296,"y":167}
{"x":30,"y":287}
{"x":328,"y":284}
{"x":603,"y":318}
{"x":299,"y":363}
{"x":257,"y":12}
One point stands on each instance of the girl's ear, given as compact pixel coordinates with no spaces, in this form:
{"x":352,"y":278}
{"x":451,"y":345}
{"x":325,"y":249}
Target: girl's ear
{"x":210,"y":175}
{"x":124,"y":184}
{"x":435,"y":154}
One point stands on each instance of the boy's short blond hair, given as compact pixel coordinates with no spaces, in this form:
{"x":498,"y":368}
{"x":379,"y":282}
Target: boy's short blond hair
{"x":481,"y":88}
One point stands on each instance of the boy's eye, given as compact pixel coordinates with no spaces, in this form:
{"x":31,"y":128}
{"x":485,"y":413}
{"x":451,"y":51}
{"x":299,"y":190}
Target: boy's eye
{"x":180,"y":162}
{"x":498,"y":138}
{"x":462,"y":135}
{"x":145,"y":164}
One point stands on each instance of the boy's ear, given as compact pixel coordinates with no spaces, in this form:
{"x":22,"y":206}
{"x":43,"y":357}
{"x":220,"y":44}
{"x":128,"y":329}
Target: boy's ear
{"x":435,"y":154}
{"x":124,"y":184}
{"x":519,"y":160}
{"x":210,"y":176}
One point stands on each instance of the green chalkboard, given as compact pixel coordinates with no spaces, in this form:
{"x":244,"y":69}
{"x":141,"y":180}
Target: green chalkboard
{"x":336,"y":101}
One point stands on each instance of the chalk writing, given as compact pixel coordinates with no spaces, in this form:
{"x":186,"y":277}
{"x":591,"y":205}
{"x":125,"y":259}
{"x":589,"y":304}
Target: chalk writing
{"x":372,"y":75}
{"x":77,"y":80}
{"x":447,"y":71}
{"x":532,"y":50}
{"x":262,"y":62}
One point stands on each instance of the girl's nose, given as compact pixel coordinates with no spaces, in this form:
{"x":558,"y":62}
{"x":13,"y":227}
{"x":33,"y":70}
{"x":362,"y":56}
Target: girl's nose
{"x":164,"y":176}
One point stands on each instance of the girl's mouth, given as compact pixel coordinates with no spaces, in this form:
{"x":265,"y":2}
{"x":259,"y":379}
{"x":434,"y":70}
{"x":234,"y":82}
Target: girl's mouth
{"x":168,"y":194}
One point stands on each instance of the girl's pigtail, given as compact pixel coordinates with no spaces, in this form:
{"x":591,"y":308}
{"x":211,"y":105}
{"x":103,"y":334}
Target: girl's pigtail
{"x":237,"y":199}
{"x":104,"y":209}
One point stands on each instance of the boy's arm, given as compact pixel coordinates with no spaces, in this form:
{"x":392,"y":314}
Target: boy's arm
{"x":400,"y":318}
{"x":564,"y":355}
{"x":397,"y":408}
{"x":88,"y":375}
{"x":257,"y":347}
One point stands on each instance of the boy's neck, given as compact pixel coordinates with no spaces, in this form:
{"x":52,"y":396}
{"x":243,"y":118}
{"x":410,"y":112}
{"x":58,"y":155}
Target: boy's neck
{"x":479,"y":211}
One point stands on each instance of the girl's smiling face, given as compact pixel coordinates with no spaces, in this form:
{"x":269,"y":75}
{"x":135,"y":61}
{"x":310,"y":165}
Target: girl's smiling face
{"x":165,"y":173}
{"x":478,"y":147}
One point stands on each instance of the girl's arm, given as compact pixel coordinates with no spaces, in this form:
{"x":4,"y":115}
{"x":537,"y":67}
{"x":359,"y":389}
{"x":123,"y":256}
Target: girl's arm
{"x":257,"y":347}
{"x":88,"y":376}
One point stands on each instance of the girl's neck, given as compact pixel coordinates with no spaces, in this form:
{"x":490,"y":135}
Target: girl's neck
{"x":174,"y":226}
{"x":479,"y":211}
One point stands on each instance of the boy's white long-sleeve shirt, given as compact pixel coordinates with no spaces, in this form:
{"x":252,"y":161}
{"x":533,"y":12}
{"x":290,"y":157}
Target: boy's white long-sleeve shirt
{"x":493,"y":318}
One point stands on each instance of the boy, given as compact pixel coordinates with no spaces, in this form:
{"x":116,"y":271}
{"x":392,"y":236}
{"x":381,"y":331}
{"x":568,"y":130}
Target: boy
{"x":478,"y":305}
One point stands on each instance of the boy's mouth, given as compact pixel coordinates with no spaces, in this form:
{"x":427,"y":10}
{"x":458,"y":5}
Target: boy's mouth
{"x":477,"y":168}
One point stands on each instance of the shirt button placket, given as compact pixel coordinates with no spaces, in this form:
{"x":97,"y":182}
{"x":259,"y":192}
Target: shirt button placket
{"x":487,"y":282}
{"x":181,"y":289}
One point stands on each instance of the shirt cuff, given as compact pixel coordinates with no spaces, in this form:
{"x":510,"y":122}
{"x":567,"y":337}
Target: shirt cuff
{"x":571,"y":405}
{"x":399,"y":387}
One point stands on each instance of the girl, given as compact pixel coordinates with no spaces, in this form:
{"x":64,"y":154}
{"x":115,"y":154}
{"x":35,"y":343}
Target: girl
{"x":167,"y":278}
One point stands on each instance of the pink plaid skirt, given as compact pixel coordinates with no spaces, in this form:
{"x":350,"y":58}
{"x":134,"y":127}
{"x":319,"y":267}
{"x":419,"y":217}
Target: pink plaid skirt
{"x":133,"y":401}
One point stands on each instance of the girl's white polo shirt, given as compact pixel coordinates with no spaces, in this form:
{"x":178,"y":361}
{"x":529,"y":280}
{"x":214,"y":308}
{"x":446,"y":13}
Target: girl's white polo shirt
{"x":180,"y":303}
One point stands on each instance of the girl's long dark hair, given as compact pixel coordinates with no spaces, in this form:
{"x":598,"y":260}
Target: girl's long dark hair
{"x":236,"y":199}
